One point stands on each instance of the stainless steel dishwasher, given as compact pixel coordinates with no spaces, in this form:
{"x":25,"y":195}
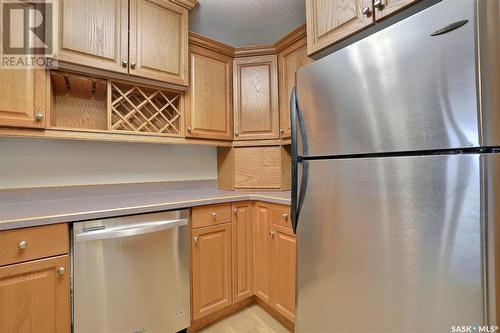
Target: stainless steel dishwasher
{"x":131,"y":274}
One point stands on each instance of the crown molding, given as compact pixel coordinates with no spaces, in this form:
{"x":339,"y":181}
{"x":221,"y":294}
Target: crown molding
{"x":207,"y":43}
{"x":292,"y":37}
{"x":254,"y":50}
{"x":188,"y":4}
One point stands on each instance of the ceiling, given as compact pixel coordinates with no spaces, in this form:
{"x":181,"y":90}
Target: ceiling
{"x":246,"y":22}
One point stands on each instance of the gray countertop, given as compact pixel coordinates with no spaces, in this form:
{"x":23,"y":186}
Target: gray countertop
{"x":31,"y":207}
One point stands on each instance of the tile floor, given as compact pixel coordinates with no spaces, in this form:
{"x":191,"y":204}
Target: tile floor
{"x":250,"y":320}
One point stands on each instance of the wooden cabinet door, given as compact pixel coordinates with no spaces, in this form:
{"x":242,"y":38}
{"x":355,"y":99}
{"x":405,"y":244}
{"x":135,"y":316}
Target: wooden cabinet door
{"x":283,"y":272}
{"x":210,"y":110}
{"x":256,"y":114}
{"x":329,"y":21}
{"x":289,"y":61}
{"x":262,"y":250}
{"x":159,"y":40}
{"x":389,"y":7}
{"x":93,"y":33}
{"x":24,"y":97}
{"x":34,"y":297}
{"x":211,"y":261}
{"x":242,"y":228}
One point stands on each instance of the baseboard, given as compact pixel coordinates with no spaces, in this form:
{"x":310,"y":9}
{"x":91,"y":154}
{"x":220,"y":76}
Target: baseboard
{"x":290,"y":325}
{"x":211,"y":318}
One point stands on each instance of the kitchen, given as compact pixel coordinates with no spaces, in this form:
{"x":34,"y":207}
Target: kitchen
{"x":249,"y":166}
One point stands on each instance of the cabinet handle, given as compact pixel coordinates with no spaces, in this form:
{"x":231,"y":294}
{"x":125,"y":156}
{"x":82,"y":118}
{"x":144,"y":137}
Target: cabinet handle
{"x":196,"y":239}
{"x":235,"y":210}
{"x":282,"y":131}
{"x":189,"y":129}
{"x":367,"y":11}
{"x":61,"y":270}
{"x":272,"y":233}
{"x":236,"y":133}
{"x":379,"y":4}
{"x":22,"y":245}
{"x":39,"y":116}
{"x":124,"y":63}
{"x":285,"y":216}
{"x":214,"y":214}
{"x":132,"y":65}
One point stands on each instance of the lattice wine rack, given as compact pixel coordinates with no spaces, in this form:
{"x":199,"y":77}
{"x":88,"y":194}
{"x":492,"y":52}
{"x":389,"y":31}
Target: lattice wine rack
{"x":145,"y":110}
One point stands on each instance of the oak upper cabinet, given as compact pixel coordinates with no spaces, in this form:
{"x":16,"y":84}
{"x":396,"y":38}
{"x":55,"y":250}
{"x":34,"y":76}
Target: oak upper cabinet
{"x":384,"y":8}
{"x":211,"y":269}
{"x":329,"y":21}
{"x":159,"y":40}
{"x":94,"y":33}
{"x":255,"y":83}
{"x":147,"y":38}
{"x":291,"y":59}
{"x":210,"y":110}
{"x":243,"y":273}
{"x":24,"y":97}
{"x":262,"y":246}
{"x":283,"y":249}
{"x":34,"y":297}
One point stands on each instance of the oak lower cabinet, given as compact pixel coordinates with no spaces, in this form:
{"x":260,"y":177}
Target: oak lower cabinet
{"x":146,"y":38}
{"x":34,"y":280}
{"x":24,"y":98}
{"x":275,"y":259}
{"x":211,"y":269}
{"x":209,"y":111}
{"x":255,"y":84}
{"x":242,"y":251}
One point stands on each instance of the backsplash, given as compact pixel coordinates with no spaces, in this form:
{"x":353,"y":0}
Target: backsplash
{"x":26,"y":163}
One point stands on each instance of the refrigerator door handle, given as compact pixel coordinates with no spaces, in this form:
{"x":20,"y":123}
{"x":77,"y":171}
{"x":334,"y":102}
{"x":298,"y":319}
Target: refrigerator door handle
{"x":297,"y":123}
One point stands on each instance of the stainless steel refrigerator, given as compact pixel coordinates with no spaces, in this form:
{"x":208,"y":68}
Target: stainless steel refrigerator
{"x":396,"y":177}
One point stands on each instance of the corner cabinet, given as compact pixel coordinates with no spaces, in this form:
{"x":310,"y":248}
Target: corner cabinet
{"x":255,"y":82}
{"x":209,"y":112}
{"x":96,"y":33}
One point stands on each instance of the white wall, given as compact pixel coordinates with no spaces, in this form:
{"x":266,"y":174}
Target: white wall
{"x":38,"y":163}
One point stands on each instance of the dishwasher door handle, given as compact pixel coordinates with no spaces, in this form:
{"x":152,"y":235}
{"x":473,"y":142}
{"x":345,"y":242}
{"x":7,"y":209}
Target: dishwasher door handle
{"x":132,"y":230}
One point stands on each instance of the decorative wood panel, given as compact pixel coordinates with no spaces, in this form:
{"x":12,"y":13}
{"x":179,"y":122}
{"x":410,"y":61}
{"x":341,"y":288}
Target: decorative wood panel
{"x":390,"y":7}
{"x":257,"y":167}
{"x":256,"y":114}
{"x":283,"y":272}
{"x":329,"y":21}
{"x":93,"y":33}
{"x":24,"y":97}
{"x":262,"y":250}
{"x":34,"y":297}
{"x":289,"y":61}
{"x":242,"y":227}
{"x":145,"y":110}
{"x":210,"y":110}
{"x":159,"y":40}
{"x":211,"y":269}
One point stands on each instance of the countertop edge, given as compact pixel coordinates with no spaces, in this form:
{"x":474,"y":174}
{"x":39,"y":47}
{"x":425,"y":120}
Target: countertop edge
{"x":114,"y":212}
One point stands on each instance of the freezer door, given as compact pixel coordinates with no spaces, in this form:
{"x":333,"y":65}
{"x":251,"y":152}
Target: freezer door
{"x":400,"y":89}
{"x":391,"y":245}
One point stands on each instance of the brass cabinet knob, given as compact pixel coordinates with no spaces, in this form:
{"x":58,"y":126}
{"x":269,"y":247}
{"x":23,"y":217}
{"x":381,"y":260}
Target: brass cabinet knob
{"x":124,"y":63}
{"x":272,"y":233}
{"x":189,"y":129}
{"x":282,"y":131}
{"x":22,"y":245}
{"x":214,"y":214}
{"x":132,"y":65}
{"x":367,"y":11}
{"x":196,"y":239}
{"x":235,"y":210}
{"x":236,"y":133}
{"x":39,"y":116}
{"x":285,"y":216}
{"x":61,"y":270}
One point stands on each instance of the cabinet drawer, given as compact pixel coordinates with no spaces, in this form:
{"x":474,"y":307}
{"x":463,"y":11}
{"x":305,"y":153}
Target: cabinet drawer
{"x":280,"y":215}
{"x":33,"y":243}
{"x":210,"y":215}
